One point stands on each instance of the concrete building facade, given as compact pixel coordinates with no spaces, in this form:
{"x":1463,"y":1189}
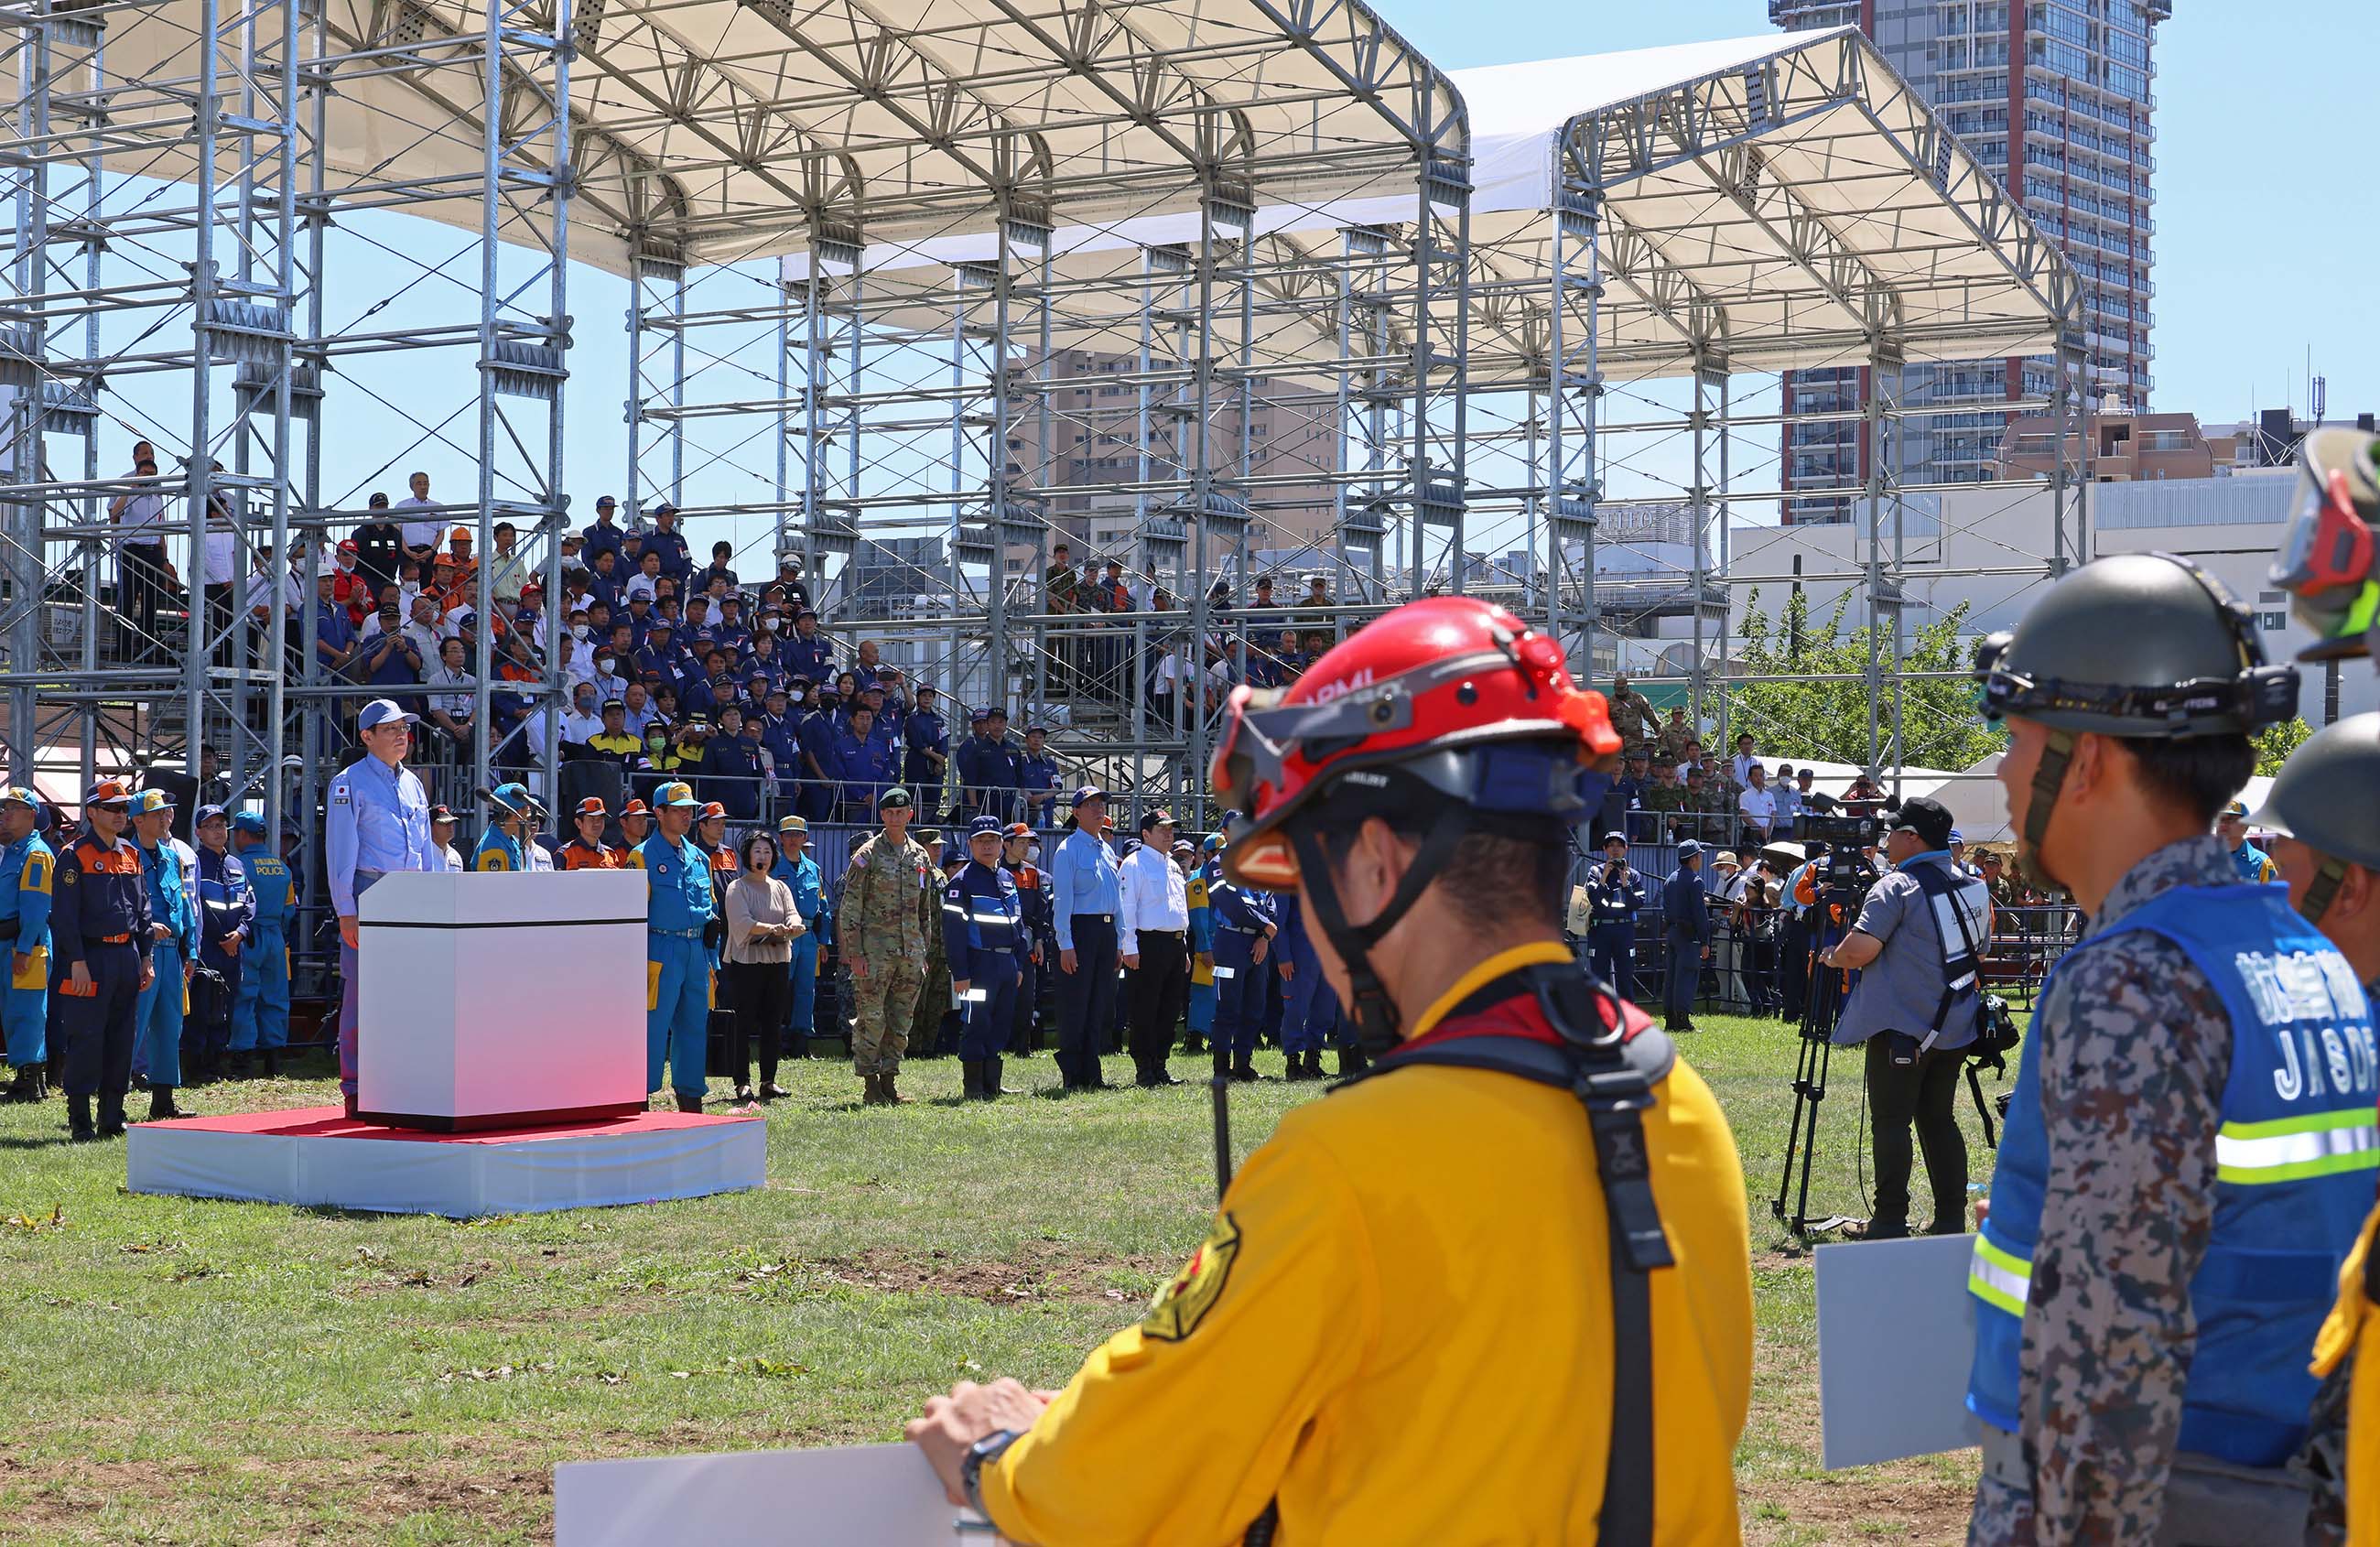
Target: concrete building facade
{"x":2053,"y":96}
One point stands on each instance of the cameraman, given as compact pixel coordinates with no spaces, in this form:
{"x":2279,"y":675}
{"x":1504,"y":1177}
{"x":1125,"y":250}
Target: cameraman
{"x":1617,"y":893}
{"x":1916,"y":1006}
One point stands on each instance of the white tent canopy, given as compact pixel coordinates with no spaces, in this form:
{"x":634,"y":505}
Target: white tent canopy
{"x":1769,"y":203}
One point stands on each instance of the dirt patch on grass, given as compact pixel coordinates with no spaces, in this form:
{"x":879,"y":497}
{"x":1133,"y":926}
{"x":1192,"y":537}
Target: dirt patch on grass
{"x":1045,"y":1271}
{"x":1877,"y":1503}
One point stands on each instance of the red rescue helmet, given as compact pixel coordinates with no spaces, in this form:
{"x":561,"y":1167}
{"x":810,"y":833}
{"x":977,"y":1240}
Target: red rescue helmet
{"x":1452,"y":692}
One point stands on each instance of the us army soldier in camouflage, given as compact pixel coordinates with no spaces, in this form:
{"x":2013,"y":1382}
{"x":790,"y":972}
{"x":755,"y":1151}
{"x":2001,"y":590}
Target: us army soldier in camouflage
{"x":1676,"y":737}
{"x":891,"y":902}
{"x":2105,"y":1204}
{"x":1632,"y":714}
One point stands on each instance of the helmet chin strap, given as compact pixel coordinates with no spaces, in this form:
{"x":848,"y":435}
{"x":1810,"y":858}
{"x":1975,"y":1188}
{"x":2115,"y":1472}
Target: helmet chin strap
{"x":2048,"y":776}
{"x":1375,"y":1014}
{"x":2322,"y":891}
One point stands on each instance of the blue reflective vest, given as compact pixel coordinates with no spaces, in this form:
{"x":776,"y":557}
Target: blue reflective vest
{"x":2294,"y":1156}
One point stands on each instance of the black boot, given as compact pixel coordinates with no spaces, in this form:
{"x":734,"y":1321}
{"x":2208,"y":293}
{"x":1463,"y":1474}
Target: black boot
{"x":970,"y":1079}
{"x":236,"y":1064}
{"x":686,"y":1103}
{"x":110,"y":1117}
{"x":1223,"y":1063}
{"x":26,"y":1087}
{"x":992,"y":1090}
{"x":1242,"y":1070}
{"x":272,"y":1062}
{"x":1298,"y":1068}
{"x":161,"y":1103}
{"x":1351,"y":1061}
{"x":78,"y":1124}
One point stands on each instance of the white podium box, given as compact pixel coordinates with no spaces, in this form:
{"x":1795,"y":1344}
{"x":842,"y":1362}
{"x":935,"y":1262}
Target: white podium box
{"x":501,"y":1000}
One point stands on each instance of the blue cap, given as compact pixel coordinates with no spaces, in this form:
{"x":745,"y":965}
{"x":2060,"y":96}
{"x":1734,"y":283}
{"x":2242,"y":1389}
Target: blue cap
{"x":21,"y":796}
{"x":150,"y":800}
{"x":677,"y":792}
{"x":514,"y":795}
{"x":380,"y":712}
{"x":986,"y":824}
{"x":206,"y":814}
{"x":1088,"y":792}
{"x":1689,"y":849}
{"x":1956,"y":836}
{"x":248,"y":821}
{"x":978,"y":716}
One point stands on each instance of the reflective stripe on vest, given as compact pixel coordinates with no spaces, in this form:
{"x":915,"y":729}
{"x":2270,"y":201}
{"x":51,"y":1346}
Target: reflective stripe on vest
{"x":2289,"y":1149}
{"x":2000,"y":1277}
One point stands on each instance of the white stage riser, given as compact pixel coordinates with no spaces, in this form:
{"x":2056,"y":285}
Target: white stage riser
{"x":458,"y":1180}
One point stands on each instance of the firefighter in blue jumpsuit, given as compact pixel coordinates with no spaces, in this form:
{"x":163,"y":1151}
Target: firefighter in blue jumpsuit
{"x":163,"y":1005}
{"x":227,"y":928}
{"x":1615,"y":894}
{"x":1245,"y":925}
{"x":260,"y":1011}
{"x":800,"y":874}
{"x":984,"y":936}
{"x":677,"y":964}
{"x":28,"y":872}
{"x":1306,"y":1014}
{"x":100,"y":938}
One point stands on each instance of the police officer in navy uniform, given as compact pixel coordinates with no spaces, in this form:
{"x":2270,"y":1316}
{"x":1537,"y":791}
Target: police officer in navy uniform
{"x":2190,"y":1144}
{"x":1616,"y":894}
{"x":1244,"y":923}
{"x":986,"y":939}
{"x":227,"y":918}
{"x":100,"y":934}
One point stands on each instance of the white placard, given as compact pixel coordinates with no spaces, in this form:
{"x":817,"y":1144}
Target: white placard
{"x":1896,"y":1344}
{"x":852,"y":1496}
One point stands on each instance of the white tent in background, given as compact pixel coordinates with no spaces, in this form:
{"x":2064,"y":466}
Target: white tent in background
{"x":1980,"y":807}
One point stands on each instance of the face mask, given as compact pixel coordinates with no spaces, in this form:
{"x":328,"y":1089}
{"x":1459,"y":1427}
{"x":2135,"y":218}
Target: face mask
{"x":797,"y":698}
{"x":657,"y":742}
{"x":578,"y":630}
{"x":604,"y":666}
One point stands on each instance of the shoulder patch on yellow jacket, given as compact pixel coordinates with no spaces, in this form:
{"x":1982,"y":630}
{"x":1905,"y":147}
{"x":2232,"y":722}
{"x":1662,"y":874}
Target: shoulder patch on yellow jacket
{"x":37,"y":872}
{"x":1178,"y":1308}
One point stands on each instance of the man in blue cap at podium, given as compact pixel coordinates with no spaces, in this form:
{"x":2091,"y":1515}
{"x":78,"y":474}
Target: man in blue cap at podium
{"x":377,"y":821}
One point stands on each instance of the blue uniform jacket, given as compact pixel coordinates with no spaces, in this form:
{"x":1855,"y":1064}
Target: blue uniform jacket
{"x":1238,"y":909}
{"x":1083,"y":880}
{"x":986,"y":769}
{"x":272,"y":893}
{"x":924,"y":734}
{"x":378,"y":819}
{"x":678,"y":883}
{"x":865,"y":767}
{"x":1685,"y":911}
{"x":981,"y":912}
{"x":812,"y":658}
{"x":1617,"y":904}
{"x":169,"y":899}
{"x":28,"y":881}
{"x":804,"y":880}
{"x":1036,"y":773}
{"x":102,"y":893}
{"x":227,"y":904}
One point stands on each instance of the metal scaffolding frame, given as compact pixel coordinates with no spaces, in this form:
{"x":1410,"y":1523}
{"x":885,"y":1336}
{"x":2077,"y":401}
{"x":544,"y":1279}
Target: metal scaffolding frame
{"x":971,"y":246}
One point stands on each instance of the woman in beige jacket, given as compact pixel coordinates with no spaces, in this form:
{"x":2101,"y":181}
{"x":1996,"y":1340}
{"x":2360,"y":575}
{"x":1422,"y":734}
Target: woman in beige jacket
{"x":761,"y":925}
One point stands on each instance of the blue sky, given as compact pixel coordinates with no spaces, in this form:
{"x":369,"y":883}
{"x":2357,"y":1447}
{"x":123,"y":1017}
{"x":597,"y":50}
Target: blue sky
{"x":2267,"y":228}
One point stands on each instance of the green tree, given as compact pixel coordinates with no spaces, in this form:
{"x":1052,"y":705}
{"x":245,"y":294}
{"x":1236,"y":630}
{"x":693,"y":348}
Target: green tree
{"x":1830,"y":720}
{"x":2275,"y":743}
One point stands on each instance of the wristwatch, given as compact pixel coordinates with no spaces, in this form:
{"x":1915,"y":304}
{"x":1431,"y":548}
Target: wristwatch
{"x":980,"y":1454}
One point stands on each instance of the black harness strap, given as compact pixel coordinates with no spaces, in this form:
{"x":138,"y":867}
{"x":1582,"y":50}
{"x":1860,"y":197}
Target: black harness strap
{"x":1614,"y":1078}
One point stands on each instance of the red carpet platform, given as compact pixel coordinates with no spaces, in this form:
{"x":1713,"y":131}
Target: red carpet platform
{"x":320,"y":1157}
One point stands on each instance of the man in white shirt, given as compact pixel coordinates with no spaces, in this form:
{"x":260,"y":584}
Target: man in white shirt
{"x":1758,"y":808}
{"x":441,"y":839}
{"x":451,"y":710}
{"x":1153,"y":929}
{"x":585,"y":721}
{"x":1740,"y":766}
{"x":140,"y":553}
{"x":419,"y":524}
{"x":507,"y":566}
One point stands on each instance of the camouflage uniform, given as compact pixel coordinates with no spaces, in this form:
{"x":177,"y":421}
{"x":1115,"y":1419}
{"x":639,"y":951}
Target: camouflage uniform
{"x":2135,"y":1049}
{"x":890,"y":901}
{"x":1713,"y":810}
{"x":1667,"y":798}
{"x":1674,"y":736}
{"x":1634,"y":717}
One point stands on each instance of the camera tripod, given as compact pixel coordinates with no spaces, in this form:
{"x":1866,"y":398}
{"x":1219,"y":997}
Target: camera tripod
{"x":1822,"y":1006}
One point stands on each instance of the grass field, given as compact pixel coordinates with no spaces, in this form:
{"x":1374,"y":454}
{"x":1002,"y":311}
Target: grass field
{"x":184,"y":1372}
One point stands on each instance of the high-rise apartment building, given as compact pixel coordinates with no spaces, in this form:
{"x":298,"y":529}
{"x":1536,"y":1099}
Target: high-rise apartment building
{"x":1098,"y":427}
{"x":2053,"y":97}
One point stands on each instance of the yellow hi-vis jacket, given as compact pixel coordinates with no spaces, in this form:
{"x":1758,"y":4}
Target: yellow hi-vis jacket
{"x":2353,"y":1331}
{"x":1400,"y":1325}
